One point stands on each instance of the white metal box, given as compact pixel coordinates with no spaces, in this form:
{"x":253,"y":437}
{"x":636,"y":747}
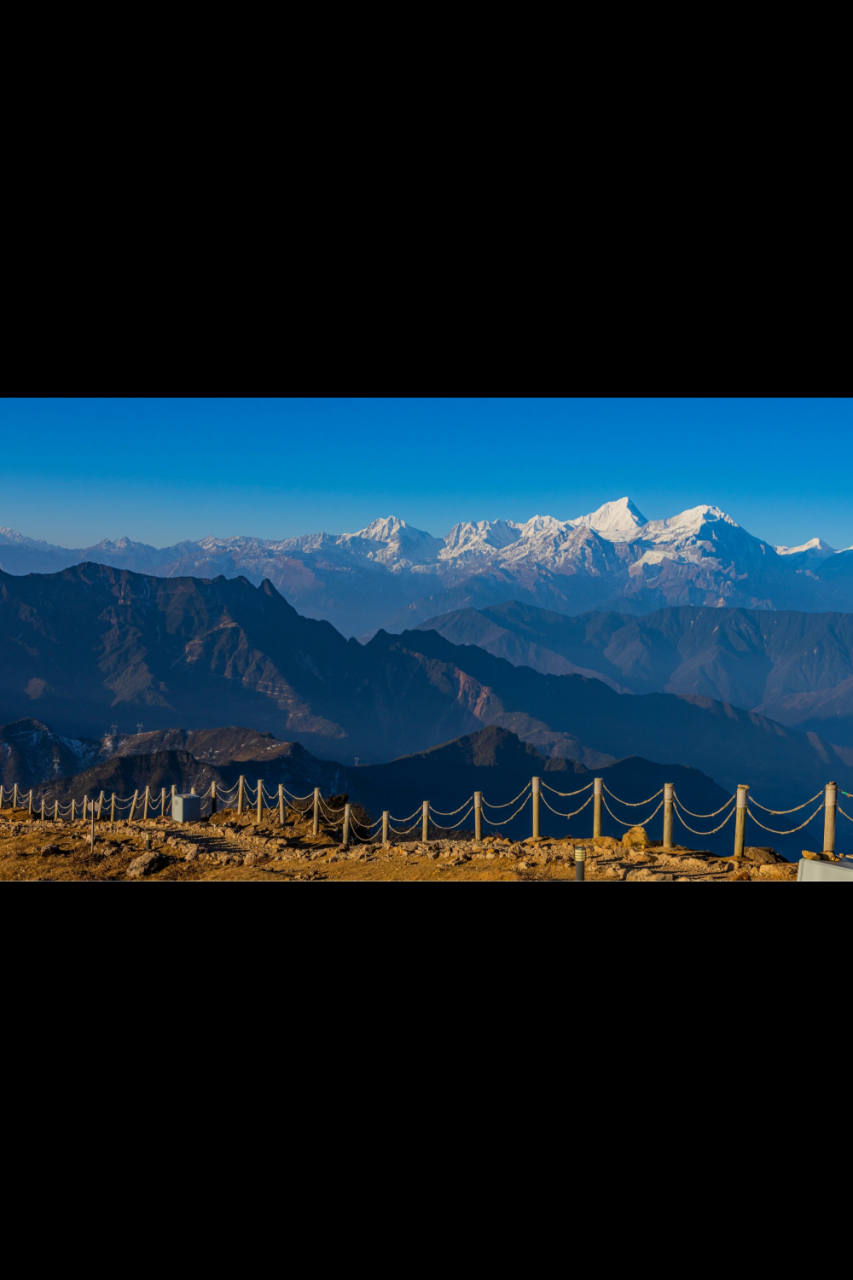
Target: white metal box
{"x":186,"y":808}
{"x":825,"y":871}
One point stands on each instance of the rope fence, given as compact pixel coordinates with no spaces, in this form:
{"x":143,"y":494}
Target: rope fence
{"x":149,"y":803}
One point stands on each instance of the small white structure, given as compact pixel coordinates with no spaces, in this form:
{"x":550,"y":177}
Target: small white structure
{"x":186,"y":808}
{"x":809,"y":870}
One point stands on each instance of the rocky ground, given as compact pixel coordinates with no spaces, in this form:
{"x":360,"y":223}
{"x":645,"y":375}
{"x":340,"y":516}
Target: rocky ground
{"x":232,"y":847}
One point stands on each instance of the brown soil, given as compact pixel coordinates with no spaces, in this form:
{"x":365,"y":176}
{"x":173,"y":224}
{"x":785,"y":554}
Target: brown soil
{"x":229,"y":847}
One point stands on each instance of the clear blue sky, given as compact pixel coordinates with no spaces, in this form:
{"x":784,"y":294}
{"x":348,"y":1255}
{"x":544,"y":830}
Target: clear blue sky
{"x":161,"y":470}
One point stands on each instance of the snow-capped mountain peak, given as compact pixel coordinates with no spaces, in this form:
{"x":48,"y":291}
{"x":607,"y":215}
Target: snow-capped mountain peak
{"x":816,"y":548}
{"x":616,"y":521}
{"x":480,"y":537}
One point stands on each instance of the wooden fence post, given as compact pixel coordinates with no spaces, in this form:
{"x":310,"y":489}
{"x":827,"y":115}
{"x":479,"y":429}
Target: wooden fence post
{"x":1,"y":795}
{"x":316,"y":828}
{"x":31,"y":802}
{"x":213,"y":798}
{"x":73,"y":810}
{"x":146,"y":800}
{"x":100,"y":805}
{"x":740,"y":818}
{"x":597,"y":784}
{"x":345,"y":841}
{"x":667,"y":815}
{"x":385,"y":817}
{"x":113,"y":808}
{"x":281,"y":804}
{"x":162,"y":802}
{"x":56,"y":810}
{"x":84,"y":808}
{"x":830,"y":804}
{"x":240,"y":784}
{"x":535,"y":794}
{"x":260,"y":816}
{"x":42,"y":808}
{"x":172,"y":801}
{"x":133,"y":804}
{"x":425,"y":821}
{"x":15,"y":796}
{"x":478,"y":816}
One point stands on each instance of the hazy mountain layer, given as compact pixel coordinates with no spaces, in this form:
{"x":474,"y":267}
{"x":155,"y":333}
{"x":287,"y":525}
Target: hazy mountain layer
{"x":393,"y":576}
{"x":796,"y":668}
{"x":94,"y":645}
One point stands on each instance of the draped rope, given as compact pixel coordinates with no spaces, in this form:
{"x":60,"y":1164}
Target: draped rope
{"x":629,"y":804}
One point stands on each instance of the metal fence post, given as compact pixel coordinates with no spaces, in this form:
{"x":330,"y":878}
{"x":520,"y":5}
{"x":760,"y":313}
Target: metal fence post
{"x":740,"y":818}
{"x":830,"y":808}
{"x":597,"y":785}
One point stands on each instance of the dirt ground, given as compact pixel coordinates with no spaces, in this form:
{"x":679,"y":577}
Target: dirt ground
{"x":228,"y":847}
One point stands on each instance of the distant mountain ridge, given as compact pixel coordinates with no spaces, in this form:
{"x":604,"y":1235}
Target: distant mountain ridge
{"x":796,"y":668}
{"x":390,"y":575}
{"x":93,"y":645}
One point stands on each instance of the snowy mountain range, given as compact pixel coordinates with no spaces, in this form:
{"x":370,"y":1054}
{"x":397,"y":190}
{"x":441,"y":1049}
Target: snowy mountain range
{"x":394,"y":576}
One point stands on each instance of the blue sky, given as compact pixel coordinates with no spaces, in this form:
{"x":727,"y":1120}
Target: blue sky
{"x":74,"y":471}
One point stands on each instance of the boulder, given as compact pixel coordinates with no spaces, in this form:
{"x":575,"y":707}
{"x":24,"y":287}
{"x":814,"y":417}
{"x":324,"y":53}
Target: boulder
{"x":146,"y":864}
{"x":49,"y":850}
{"x":762,"y":855}
{"x":636,"y":838}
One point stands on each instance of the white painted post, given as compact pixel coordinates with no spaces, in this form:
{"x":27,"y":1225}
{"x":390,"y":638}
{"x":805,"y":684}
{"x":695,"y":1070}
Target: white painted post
{"x":830,"y":809}
{"x":740,"y":818}
{"x":667,"y":815}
